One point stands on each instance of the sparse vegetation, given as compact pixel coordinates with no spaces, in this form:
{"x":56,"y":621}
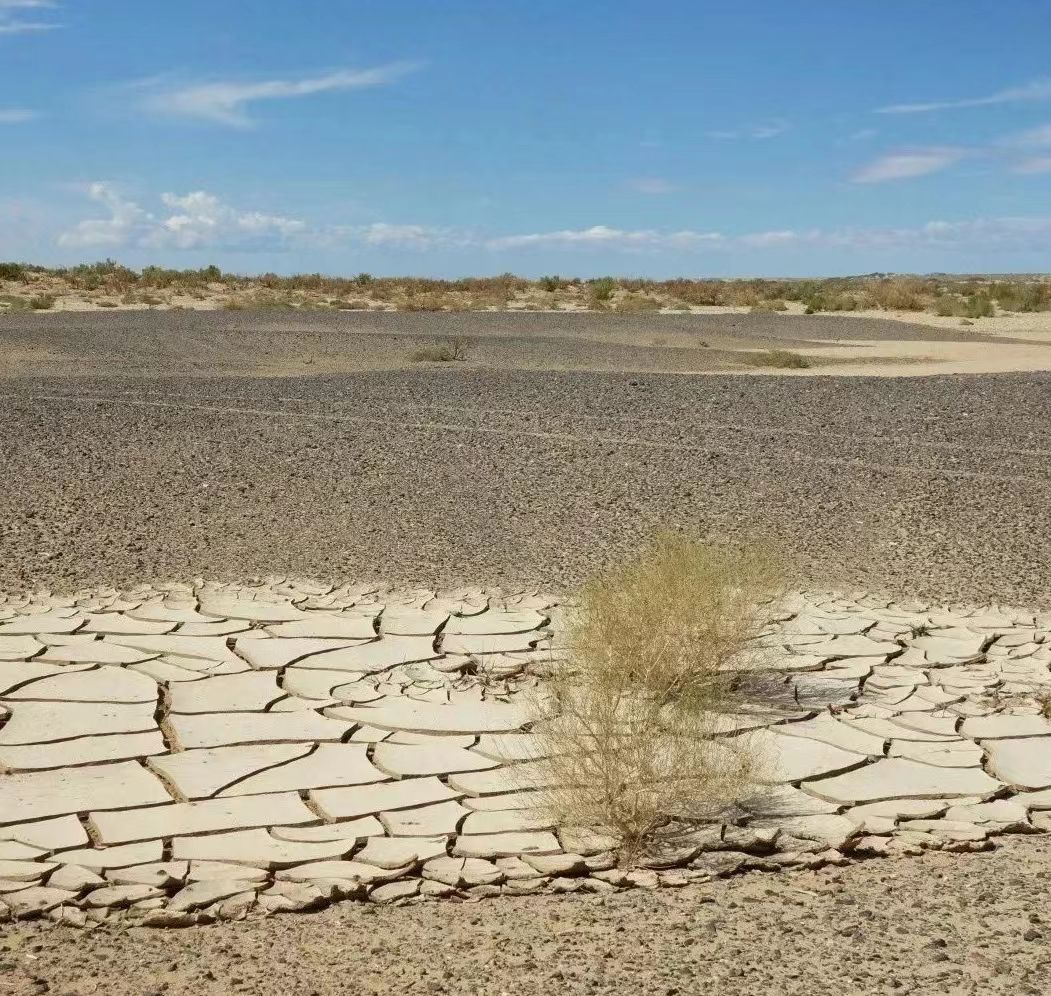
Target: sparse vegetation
{"x":445,"y":351}
{"x":946,"y":295}
{"x":42,"y":302}
{"x":782,"y":358}
{"x":656,"y":648}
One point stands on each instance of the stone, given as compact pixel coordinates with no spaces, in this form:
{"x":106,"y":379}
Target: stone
{"x":852,"y":646}
{"x":556,"y":864}
{"x":399,"y":852}
{"x":784,"y":800}
{"x":371,"y":658}
{"x":1008,"y":813}
{"x":76,"y":790}
{"x":210,"y":871}
{"x":472,"y":646}
{"x":36,"y":900}
{"x":393,"y":891}
{"x":328,"y":625}
{"x":82,"y":750}
{"x":505,"y":821}
{"x":102,"y":684}
{"x":367,"y":826}
{"x":434,"y":758}
{"x":899,"y":778}
{"x":88,"y":650}
{"x":74,"y":878}
{"x":198,"y":895}
{"x":348,"y":871}
{"x":1023,"y":763}
{"x":425,"y":717}
{"x":206,"y":648}
{"x":241,"y":692}
{"x":202,"y":773}
{"x":121,"y":895}
{"x":18,"y":648}
{"x":412,"y":622}
{"x":177,"y":819}
{"x":1002,"y":726}
{"x":258,"y":848}
{"x":963,"y":754}
{"x":219,"y":729}
{"x":272,"y":655}
{"x":424,"y":821}
{"x":41,"y":722}
{"x":23,"y":871}
{"x":101,"y":858}
{"x":60,"y":621}
{"x":119,"y":622}
{"x":825,"y":728}
{"x":344,"y":803}
{"x":49,"y":835}
{"x":501,"y":845}
{"x":509,"y":778}
{"x":159,"y":874}
{"x":495,"y":622}
{"x":790,"y":759}
{"x":253,"y":610}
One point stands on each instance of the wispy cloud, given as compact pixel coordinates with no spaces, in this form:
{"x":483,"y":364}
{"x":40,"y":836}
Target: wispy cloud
{"x":1038,"y":164}
{"x":1035,"y":90}
{"x":1032,"y":138}
{"x":605,"y":236}
{"x":770,"y":128}
{"x":420,"y":237}
{"x":228,"y":102}
{"x":191,"y":221}
{"x":16,"y":115}
{"x":907,"y":164}
{"x":652,"y":185}
{"x":18,"y":17}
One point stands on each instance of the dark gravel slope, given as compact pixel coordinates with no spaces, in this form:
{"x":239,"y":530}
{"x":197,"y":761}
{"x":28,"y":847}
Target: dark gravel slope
{"x":927,"y":485}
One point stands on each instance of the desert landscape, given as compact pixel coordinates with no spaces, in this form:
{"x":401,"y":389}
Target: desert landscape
{"x":284,"y":585}
{"x":507,"y":499}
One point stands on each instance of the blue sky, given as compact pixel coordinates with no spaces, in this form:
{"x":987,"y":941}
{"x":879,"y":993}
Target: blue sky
{"x":671,"y":137}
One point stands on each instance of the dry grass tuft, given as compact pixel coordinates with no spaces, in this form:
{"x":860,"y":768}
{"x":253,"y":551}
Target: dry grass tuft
{"x":784,"y":359}
{"x":446,"y":351}
{"x":656,"y":649}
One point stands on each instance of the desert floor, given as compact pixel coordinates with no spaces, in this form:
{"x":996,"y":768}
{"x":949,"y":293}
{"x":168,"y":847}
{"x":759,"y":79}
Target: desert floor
{"x":141,"y":446}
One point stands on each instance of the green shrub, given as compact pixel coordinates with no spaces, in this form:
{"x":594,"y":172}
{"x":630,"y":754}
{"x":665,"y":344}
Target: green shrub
{"x":12,"y":271}
{"x":602,"y":289}
{"x":42,"y":302}
{"x":550,"y":284}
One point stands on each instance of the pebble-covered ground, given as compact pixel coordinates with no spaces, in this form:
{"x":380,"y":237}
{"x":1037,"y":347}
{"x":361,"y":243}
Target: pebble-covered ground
{"x":929,"y":486}
{"x":937,"y":925}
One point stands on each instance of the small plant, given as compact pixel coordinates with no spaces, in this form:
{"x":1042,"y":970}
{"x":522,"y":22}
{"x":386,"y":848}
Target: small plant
{"x":764,"y":306}
{"x":12,"y":271}
{"x":107,"y":304}
{"x":601,"y":290}
{"x":781,"y":358}
{"x":446,"y":351}
{"x":979,"y":306}
{"x":638,"y":303}
{"x":550,"y":284}
{"x":1043,"y":702}
{"x":42,"y":302}
{"x":656,"y":646}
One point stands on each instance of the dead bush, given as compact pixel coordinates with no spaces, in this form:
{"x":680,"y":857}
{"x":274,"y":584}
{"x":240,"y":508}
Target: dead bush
{"x":445,"y":351}
{"x":656,"y":648}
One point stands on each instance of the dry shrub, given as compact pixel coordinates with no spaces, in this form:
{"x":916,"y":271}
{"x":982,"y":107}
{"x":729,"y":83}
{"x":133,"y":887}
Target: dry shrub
{"x":783,"y":359}
{"x":445,"y":351}
{"x":656,"y":648}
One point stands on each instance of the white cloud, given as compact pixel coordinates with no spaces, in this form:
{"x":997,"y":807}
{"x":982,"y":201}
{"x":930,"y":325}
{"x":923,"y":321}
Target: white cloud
{"x":421,"y":237}
{"x":1038,"y":137}
{"x":652,"y":185}
{"x":16,"y":17}
{"x":761,"y":130}
{"x":16,"y":115}
{"x":1038,"y":164}
{"x":1038,"y":89}
{"x":191,"y":221}
{"x":228,"y":101}
{"x":904,"y":165}
{"x":605,"y":237}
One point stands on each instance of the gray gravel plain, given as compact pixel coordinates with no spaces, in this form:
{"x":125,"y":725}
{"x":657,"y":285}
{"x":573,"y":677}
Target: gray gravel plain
{"x":501,"y":472}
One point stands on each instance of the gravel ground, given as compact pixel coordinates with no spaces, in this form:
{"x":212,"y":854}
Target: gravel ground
{"x":924,"y":486}
{"x":942,"y":924}
{"x":276,"y":343}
